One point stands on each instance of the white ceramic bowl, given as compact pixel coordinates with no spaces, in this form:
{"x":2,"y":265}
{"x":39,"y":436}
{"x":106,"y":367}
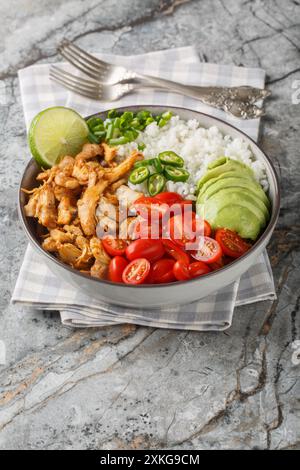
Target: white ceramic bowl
{"x":151,"y":296}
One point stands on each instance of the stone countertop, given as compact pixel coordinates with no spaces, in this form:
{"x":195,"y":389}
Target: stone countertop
{"x":129,"y":387}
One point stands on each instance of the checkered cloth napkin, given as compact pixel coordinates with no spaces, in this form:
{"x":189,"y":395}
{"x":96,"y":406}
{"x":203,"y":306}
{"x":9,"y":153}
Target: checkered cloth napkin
{"x":37,"y":287}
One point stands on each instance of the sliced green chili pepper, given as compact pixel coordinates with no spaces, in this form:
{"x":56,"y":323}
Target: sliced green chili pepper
{"x":143,"y":163}
{"x":138,"y":175}
{"x":171,"y":158}
{"x":176,"y":174}
{"x":157,"y":165}
{"x":156,"y":184}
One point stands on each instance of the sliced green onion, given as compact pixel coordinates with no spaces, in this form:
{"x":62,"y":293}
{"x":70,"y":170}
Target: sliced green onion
{"x":110,"y":130}
{"x":119,"y":141}
{"x":97,"y":128}
{"x":94,"y":121}
{"x":138,"y":175}
{"x":156,"y":184}
{"x":176,"y":174}
{"x":112,"y":113}
{"x":141,"y":146}
{"x":167,"y":115}
{"x":171,"y":158}
{"x":100,"y":134}
{"x":93,"y":138}
{"x":162,"y":122}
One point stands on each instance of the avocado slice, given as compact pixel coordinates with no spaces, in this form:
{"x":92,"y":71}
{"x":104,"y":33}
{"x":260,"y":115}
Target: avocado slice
{"x":241,"y":196}
{"x":244,"y":222}
{"x":221,"y":166}
{"x":211,"y":208}
{"x":238,"y":181}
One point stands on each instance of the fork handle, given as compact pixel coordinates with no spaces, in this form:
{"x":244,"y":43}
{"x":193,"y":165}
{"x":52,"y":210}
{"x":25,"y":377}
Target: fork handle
{"x":239,"y":101}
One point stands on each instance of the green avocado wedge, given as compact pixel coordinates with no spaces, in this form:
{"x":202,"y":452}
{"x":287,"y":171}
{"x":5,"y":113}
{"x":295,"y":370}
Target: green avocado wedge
{"x":221,"y":166}
{"x":237,"y":181}
{"x":230,"y":197}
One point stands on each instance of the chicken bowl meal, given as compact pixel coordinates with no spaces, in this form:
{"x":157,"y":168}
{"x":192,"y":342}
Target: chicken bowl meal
{"x":146,"y":206}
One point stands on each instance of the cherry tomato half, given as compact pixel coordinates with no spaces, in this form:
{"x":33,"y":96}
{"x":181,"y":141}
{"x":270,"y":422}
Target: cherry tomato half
{"x":162,"y":271}
{"x":177,"y":253}
{"x":136,"y":272}
{"x":169,"y":198}
{"x":198,"y":268}
{"x":181,"y":271}
{"x":183,"y":228}
{"x":209,"y":250}
{"x":116,"y":268}
{"x":231,"y":243}
{"x":114,"y":246}
{"x":150,"y":208}
{"x":147,"y":248}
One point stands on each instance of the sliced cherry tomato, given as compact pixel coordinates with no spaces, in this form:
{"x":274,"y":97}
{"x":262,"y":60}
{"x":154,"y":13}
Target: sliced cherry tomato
{"x":208,"y":251}
{"x":183,"y":228}
{"x":150,"y":208}
{"x":136,"y":272}
{"x":177,"y":253}
{"x":114,"y":246}
{"x":169,"y":198}
{"x":198,"y":268}
{"x":231,"y":243}
{"x":218,"y":264}
{"x":188,"y":203}
{"x":147,"y":248}
{"x":116,"y":268}
{"x":181,"y":271}
{"x":203,"y":227}
{"x":162,"y":271}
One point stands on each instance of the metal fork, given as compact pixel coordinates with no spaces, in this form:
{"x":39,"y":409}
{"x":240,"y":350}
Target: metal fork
{"x":235,"y":100}
{"x":91,"y":88}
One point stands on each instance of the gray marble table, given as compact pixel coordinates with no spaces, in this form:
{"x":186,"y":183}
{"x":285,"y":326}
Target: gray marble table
{"x":128,"y":387}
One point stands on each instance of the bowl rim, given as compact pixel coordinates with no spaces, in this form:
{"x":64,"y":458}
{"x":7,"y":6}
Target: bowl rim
{"x":270,"y":227}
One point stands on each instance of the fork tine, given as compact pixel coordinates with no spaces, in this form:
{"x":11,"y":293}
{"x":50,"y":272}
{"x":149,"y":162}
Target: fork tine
{"x":55,"y":71}
{"x":78,"y":60}
{"x":85,"y":55}
{"x":79,"y":65}
{"x":76,"y":88}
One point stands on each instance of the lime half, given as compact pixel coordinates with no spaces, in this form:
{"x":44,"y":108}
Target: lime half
{"x":56,"y":132}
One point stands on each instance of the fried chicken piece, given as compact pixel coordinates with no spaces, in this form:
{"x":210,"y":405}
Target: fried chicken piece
{"x":66,"y":181}
{"x":114,"y":174}
{"x":127,"y":196}
{"x":85,"y":260}
{"x":90,"y":151}
{"x":60,"y":236}
{"x":31,"y":206}
{"x":49,"y":244}
{"x":98,"y":251}
{"x":69,"y":253}
{"x":109,"y":152}
{"x":73,"y":229}
{"x":46,"y":211}
{"x":99,"y":270}
{"x":129,"y":228}
{"x":87,"y":207}
{"x":113,"y":188}
{"x":65,"y":211}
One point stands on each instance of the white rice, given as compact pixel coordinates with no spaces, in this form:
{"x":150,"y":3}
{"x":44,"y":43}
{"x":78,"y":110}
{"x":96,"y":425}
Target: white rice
{"x":198,"y":147}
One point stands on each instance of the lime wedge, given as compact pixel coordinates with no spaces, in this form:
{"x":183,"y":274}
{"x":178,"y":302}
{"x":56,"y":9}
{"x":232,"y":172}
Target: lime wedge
{"x":56,"y":132}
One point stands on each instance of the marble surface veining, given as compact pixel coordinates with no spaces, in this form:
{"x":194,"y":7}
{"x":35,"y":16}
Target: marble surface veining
{"x":132,"y":387}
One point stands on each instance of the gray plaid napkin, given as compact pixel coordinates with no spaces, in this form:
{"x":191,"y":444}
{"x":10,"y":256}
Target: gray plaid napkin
{"x":38,"y":288}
